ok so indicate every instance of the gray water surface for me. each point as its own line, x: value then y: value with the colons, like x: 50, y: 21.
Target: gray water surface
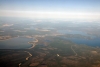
x: 16, y: 43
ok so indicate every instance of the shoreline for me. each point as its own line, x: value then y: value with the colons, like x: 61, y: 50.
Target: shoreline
x: 8, y: 39
x: 34, y: 43
x: 30, y: 55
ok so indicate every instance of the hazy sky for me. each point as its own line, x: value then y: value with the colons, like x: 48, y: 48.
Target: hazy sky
x: 56, y: 9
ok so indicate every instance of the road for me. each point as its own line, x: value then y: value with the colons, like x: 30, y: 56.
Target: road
x: 73, y: 50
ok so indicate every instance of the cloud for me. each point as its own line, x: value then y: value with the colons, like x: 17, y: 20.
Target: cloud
x: 51, y: 14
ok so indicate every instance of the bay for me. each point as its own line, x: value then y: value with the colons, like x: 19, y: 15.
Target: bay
x: 16, y: 43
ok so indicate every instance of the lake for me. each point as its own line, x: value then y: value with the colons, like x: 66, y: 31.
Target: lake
x: 90, y: 42
x: 72, y: 32
x: 16, y: 43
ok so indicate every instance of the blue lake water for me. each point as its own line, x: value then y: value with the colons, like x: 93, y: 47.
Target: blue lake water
x: 91, y: 42
x: 16, y: 43
x: 72, y: 32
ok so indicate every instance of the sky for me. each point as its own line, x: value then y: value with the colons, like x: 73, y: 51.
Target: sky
x: 55, y: 9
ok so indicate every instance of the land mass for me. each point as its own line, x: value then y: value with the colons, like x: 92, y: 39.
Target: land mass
x: 51, y: 52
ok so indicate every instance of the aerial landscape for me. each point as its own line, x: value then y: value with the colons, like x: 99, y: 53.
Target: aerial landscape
x: 49, y: 33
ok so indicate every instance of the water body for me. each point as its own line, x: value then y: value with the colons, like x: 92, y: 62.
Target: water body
x: 16, y: 43
x: 90, y: 42
x: 72, y: 32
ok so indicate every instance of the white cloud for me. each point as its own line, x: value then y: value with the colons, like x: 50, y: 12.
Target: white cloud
x: 54, y: 15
